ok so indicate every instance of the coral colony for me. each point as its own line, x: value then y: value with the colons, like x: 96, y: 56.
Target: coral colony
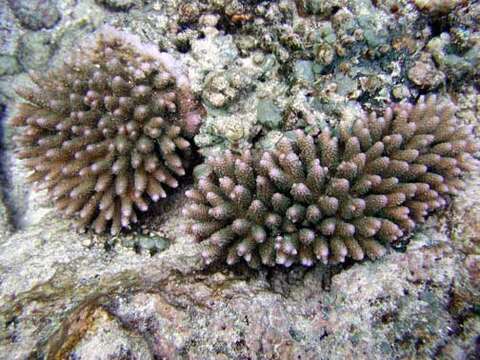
x: 106, y: 132
x: 327, y: 198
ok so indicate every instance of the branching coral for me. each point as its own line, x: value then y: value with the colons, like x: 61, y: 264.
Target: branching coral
x: 331, y: 197
x: 108, y: 130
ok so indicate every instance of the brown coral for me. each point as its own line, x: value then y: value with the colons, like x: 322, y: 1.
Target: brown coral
x: 105, y: 132
x: 332, y: 197
x: 439, y: 7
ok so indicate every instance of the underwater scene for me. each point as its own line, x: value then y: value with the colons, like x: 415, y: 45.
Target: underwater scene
x: 239, y: 179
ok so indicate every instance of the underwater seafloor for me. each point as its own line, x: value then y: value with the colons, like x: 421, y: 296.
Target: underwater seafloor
x: 259, y: 68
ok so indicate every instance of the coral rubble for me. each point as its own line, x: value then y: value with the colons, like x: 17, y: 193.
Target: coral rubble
x: 108, y: 130
x: 331, y: 197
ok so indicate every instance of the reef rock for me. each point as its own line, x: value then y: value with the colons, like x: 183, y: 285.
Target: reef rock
x: 280, y: 65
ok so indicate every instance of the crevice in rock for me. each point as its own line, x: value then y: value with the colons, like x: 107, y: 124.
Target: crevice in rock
x: 6, y: 185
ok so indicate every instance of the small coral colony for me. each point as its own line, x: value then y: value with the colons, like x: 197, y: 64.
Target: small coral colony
x: 109, y: 131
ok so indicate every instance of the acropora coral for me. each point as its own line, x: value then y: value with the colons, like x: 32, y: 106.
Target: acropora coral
x: 105, y: 132
x: 328, y: 197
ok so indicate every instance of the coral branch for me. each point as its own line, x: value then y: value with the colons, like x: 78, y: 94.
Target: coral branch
x: 108, y: 131
x: 328, y: 198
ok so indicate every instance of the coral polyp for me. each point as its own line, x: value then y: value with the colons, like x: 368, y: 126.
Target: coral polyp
x: 108, y: 131
x: 327, y: 198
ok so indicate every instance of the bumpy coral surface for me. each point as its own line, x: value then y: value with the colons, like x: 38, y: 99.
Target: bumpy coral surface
x: 439, y: 7
x: 331, y: 197
x: 107, y: 131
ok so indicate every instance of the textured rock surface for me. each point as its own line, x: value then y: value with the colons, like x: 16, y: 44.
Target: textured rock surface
x: 5, y: 226
x: 35, y: 14
x: 118, y: 4
x: 64, y: 299
x: 271, y: 66
x: 34, y: 50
